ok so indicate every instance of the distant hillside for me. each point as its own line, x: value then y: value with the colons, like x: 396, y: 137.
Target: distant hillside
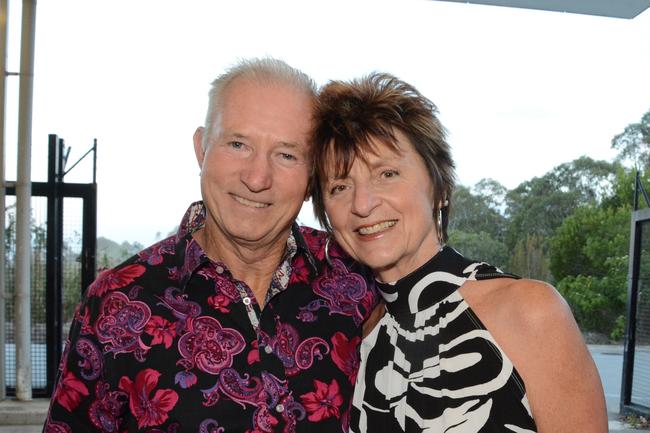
x: 110, y: 253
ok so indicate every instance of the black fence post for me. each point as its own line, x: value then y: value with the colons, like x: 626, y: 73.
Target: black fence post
x: 54, y: 272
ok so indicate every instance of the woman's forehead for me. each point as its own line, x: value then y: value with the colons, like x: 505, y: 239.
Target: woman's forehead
x: 340, y: 158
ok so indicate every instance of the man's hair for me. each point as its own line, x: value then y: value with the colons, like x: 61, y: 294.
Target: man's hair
x: 265, y: 70
x: 349, y: 115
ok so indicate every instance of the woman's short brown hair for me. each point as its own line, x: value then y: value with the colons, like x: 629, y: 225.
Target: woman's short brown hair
x: 349, y: 115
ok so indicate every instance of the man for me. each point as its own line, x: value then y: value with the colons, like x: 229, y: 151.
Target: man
x: 242, y: 321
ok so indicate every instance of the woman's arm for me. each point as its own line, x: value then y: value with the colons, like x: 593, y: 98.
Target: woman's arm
x: 534, y: 326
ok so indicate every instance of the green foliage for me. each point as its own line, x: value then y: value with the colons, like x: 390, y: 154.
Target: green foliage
x: 479, y: 246
x: 597, y: 303
x: 540, y: 205
x: 589, y: 241
x: 589, y: 257
x: 478, y: 212
x: 633, y: 144
x: 529, y: 258
x: 623, y: 188
x: 618, y: 331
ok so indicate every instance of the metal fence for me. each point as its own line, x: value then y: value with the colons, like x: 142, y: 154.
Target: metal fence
x: 640, y: 390
x: 64, y: 231
x: 635, y: 390
x: 38, y: 322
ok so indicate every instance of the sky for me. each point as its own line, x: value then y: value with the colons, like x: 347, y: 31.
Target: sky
x: 519, y: 91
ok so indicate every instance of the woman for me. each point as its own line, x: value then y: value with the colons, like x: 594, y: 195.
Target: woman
x: 462, y: 347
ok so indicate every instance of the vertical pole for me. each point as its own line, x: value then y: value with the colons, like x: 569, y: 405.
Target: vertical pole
x: 4, y: 12
x: 53, y: 284
x: 89, y: 232
x: 89, y: 237
x: 23, y: 206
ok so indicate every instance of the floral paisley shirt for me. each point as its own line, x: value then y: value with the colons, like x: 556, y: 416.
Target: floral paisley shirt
x: 169, y: 341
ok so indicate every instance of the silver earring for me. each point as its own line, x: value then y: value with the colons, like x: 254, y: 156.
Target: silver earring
x: 440, y: 239
x: 327, y: 250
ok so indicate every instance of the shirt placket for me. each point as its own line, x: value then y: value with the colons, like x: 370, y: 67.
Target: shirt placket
x: 247, y: 300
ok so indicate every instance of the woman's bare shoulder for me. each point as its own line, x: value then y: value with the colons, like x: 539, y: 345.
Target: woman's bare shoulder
x: 533, y: 325
x: 526, y: 303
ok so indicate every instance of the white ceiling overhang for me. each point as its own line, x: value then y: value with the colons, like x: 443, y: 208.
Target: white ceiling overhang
x: 606, y: 8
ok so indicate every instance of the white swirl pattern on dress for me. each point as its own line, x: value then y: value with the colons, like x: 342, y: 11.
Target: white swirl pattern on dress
x: 400, y: 381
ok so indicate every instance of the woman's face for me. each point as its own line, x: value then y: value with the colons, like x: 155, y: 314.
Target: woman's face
x: 382, y: 212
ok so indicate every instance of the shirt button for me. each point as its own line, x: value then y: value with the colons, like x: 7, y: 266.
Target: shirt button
x: 280, y: 408
x: 247, y: 300
x: 268, y: 349
x: 219, y: 269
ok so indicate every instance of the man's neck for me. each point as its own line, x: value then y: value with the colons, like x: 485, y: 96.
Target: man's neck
x: 254, y: 264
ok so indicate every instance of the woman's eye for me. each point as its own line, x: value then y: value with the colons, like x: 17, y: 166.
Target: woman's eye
x: 390, y: 173
x: 336, y: 189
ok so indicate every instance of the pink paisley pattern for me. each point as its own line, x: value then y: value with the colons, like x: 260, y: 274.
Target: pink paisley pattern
x: 120, y: 324
x: 226, y: 293
x: 56, y: 427
x: 265, y: 395
x: 208, y: 346
x: 107, y: 411
x: 296, y: 354
x: 168, y: 342
x: 154, y: 254
x: 180, y: 307
x: 210, y: 426
x: 91, y: 358
x: 341, y: 292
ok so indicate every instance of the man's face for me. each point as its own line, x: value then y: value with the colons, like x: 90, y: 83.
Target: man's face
x: 255, y: 166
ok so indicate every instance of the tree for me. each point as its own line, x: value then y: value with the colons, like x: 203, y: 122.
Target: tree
x: 529, y: 258
x: 633, y: 144
x: 588, y: 240
x: 623, y: 188
x: 479, y: 246
x: 479, y: 211
x: 540, y: 205
x: 589, y: 258
x: 492, y: 192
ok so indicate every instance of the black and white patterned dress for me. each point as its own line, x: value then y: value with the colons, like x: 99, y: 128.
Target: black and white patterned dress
x: 431, y: 366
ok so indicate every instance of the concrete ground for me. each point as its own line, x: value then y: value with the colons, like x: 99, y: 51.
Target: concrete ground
x: 20, y: 417
x: 609, y: 361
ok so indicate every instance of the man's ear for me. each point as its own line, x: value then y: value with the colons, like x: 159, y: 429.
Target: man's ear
x: 198, y: 145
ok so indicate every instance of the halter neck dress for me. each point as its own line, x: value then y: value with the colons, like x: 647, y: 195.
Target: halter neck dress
x: 430, y: 365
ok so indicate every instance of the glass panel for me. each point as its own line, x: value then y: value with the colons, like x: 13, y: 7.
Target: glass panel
x: 38, y: 303
x: 72, y: 232
x: 641, y: 374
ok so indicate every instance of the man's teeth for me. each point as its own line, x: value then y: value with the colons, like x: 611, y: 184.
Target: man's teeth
x: 377, y: 227
x: 250, y: 203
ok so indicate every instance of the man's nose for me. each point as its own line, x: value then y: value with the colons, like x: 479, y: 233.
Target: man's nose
x: 257, y: 174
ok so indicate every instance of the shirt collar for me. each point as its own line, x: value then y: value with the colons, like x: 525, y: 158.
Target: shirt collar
x: 190, y: 255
